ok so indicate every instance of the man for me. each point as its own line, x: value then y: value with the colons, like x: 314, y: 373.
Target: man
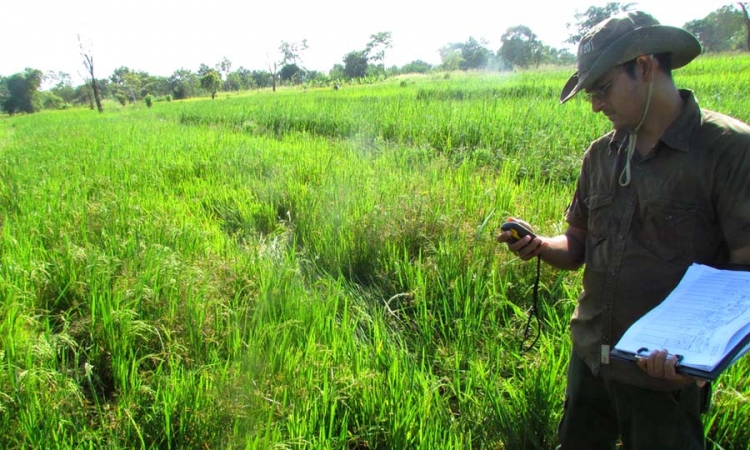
x: 669, y: 186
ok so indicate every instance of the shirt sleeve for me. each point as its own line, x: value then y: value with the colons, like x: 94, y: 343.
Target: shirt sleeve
x: 577, y: 214
x: 732, y: 192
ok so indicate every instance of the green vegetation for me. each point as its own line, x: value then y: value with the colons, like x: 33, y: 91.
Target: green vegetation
x: 305, y: 269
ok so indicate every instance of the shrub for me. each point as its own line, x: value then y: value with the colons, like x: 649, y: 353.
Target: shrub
x: 149, y: 100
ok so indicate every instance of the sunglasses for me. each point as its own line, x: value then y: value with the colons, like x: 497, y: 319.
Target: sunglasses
x: 598, y: 93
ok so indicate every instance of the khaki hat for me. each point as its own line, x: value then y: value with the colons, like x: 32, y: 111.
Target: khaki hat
x: 623, y: 38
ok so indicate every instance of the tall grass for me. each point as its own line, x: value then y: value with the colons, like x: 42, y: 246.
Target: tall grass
x: 304, y: 269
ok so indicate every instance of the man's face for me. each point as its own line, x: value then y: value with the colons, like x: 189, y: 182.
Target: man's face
x: 618, y: 96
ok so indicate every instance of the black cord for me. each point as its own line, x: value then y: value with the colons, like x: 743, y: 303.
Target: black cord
x: 533, y: 312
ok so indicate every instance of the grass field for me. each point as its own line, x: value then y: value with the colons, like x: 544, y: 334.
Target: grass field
x: 302, y: 269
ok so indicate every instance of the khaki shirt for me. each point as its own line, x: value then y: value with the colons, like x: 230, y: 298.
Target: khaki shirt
x: 688, y: 201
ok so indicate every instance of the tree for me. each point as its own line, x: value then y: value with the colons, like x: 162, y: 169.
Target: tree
x: 63, y: 87
x: 211, y: 82
x: 337, y: 72
x: 520, y: 47
x: 245, y: 77
x: 262, y: 79
x: 182, y: 84
x: 19, y: 93
x: 291, y: 53
x: 129, y: 82
x: 233, y: 82
x: 417, y: 66
x: 468, y: 55
x: 87, y: 54
x: 746, y: 19
x: 592, y: 16
x: 355, y: 64
x: 289, y: 72
x: 224, y: 66
x: 721, y: 30
x: 203, y: 69
x: 450, y: 57
x: 375, y: 49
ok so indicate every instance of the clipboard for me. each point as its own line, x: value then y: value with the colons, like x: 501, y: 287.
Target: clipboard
x: 728, y: 356
x: 709, y: 375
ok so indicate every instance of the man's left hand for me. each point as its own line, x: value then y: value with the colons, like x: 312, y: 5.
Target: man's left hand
x: 660, y: 364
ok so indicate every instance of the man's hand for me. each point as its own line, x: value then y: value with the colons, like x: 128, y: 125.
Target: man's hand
x: 660, y: 364
x: 526, y: 247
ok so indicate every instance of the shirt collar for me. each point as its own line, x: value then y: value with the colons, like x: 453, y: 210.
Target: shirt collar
x: 677, y: 135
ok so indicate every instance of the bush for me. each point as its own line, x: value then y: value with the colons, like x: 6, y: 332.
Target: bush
x: 52, y: 101
x: 149, y: 100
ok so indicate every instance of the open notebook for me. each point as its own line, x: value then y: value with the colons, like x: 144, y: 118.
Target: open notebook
x: 705, y: 320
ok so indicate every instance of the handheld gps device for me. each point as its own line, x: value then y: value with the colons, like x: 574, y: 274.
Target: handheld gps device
x: 517, y: 230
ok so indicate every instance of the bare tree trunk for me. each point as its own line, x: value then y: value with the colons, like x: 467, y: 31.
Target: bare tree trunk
x: 96, y: 92
x: 747, y: 23
x: 273, y: 77
x: 88, y: 62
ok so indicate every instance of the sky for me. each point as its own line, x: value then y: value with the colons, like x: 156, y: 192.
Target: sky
x: 161, y: 36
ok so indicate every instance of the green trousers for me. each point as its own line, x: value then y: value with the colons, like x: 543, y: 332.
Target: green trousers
x: 600, y: 413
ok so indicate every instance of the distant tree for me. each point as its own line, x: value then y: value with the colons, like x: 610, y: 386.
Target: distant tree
x: 289, y: 72
x: 49, y: 100
x: 4, y: 94
x: 233, y: 82
x: 211, y: 82
x: 87, y: 53
x: 224, y: 66
x: 337, y: 72
x: 63, y: 87
x: 355, y: 64
x: 245, y: 77
x: 262, y: 79
x: 746, y: 18
x: 520, y: 47
x: 202, y: 70
x: 290, y: 53
x: 417, y: 66
x: 130, y: 83
x: 20, y: 92
x: 469, y: 55
x: 155, y: 85
x: 314, y: 75
x: 587, y: 20
x: 450, y: 57
x: 182, y: 84
x: 559, y: 57
x: 721, y: 30
x: 376, y: 47
x: 464, y: 55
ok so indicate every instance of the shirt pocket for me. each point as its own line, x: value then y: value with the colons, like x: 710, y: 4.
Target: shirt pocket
x: 669, y: 230
x: 600, y: 214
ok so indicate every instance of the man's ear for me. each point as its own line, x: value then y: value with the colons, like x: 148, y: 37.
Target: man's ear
x: 645, y: 66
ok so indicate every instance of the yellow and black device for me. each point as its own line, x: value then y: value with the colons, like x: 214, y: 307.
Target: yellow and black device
x: 517, y: 230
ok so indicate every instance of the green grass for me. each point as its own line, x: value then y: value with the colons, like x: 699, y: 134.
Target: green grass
x: 305, y: 269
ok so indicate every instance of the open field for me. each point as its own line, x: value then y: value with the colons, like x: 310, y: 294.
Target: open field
x: 303, y: 269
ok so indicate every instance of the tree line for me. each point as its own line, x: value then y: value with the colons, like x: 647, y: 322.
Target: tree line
x: 726, y: 29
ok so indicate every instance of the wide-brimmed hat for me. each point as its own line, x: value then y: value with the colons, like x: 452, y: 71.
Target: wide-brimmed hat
x: 622, y: 38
